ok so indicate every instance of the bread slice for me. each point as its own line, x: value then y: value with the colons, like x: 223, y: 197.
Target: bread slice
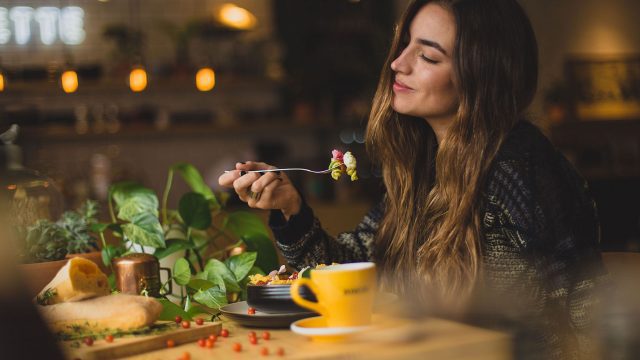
x: 77, y: 280
x: 119, y: 311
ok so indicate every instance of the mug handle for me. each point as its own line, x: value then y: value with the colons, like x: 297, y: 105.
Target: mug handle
x: 169, y: 281
x: 295, y: 295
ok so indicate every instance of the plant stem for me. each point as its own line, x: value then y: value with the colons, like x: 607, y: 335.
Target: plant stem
x: 104, y: 246
x: 165, y: 196
x: 111, y: 212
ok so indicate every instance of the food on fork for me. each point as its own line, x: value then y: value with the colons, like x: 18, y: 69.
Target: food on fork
x: 343, y: 163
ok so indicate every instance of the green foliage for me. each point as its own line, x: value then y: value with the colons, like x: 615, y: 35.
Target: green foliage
x: 204, y: 286
x: 72, y: 233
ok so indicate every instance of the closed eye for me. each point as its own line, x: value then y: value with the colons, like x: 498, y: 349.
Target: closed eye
x: 429, y: 60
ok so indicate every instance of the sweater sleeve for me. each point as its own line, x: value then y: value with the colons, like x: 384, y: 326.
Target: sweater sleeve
x: 543, y: 207
x: 303, y: 242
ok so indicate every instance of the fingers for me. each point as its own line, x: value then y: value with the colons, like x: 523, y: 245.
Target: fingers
x: 266, y: 197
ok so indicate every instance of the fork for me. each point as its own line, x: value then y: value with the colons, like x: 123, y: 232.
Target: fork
x: 291, y: 169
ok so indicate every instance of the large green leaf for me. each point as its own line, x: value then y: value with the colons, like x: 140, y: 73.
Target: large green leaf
x: 143, y: 203
x: 216, y: 268
x: 145, y: 229
x: 170, y: 310
x: 194, y: 210
x: 241, y: 264
x: 200, y: 284
x: 213, y: 297
x: 173, y: 246
x: 267, y: 254
x: 123, y: 191
x: 181, y: 272
x: 192, y: 177
x: 245, y: 224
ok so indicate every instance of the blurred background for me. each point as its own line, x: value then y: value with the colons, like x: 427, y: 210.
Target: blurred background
x: 111, y: 90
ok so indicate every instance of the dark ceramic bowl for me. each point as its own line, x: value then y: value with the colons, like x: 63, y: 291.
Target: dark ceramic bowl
x: 276, y: 299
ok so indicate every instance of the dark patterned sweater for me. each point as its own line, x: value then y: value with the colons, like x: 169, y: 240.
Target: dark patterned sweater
x: 541, y: 261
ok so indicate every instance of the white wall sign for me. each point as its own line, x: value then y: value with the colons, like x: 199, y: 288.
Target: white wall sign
x: 66, y: 23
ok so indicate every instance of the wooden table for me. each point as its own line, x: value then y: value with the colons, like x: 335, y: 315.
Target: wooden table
x: 426, y: 339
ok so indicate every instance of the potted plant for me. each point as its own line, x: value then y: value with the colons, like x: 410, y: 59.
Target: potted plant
x: 47, y: 244
x: 201, y: 230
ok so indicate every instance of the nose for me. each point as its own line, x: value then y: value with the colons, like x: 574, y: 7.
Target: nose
x: 400, y: 64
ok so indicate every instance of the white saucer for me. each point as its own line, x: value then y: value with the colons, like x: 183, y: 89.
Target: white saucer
x: 316, y: 328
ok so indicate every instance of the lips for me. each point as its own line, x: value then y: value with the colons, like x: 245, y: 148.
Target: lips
x: 399, y: 86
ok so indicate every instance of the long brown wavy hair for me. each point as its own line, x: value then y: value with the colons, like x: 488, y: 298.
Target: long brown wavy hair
x: 431, y: 231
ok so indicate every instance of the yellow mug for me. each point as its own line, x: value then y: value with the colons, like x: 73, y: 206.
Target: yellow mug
x: 345, y: 293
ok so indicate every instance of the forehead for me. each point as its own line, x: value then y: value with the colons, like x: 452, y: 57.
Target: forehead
x: 434, y: 22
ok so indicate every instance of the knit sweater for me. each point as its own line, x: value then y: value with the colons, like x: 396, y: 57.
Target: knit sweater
x: 541, y: 262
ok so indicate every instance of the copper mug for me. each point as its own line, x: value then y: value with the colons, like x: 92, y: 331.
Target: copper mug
x: 139, y: 273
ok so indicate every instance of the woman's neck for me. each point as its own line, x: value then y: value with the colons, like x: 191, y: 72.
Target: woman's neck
x: 440, y: 127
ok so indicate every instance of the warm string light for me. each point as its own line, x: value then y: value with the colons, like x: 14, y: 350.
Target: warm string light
x: 1, y: 81
x: 205, y: 79
x: 236, y: 17
x: 138, y: 79
x: 69, y: 81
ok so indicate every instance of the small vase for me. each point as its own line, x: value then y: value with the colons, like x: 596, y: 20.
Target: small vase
x: 38, y: 275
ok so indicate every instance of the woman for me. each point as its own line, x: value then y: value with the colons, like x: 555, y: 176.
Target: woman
x: 479, y: 206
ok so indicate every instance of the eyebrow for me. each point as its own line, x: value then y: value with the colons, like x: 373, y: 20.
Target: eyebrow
x: 432, y: 44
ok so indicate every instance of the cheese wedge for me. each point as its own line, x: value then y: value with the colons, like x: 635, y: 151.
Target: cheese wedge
x: 118, y: 311
x: 79, y: 279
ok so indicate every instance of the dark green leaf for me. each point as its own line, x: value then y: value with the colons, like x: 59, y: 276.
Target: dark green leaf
x: 241, y: 264
x: 192, y: 177
x: 200, y: 284
x: 216, y: 268
x: 267, y: 254
x: 171, y: 310
x: 173, y: 246
x: 245, y: 224
x: 98, y: 227
x: 213, y: 297
x: 108, y: 253
x: 145, y: 229
x: 194, y: 210
x: 181, y: 272
x: 197, y: 310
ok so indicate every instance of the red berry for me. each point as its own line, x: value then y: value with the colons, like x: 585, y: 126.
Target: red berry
x: 266, y: 335
x: 252, y: 333
x: 202, y: 342
x: 253, y: 340
x: 213, y: 337
x: 109, y: 338
x: 210, y: 343
x: 237, y: 347
x: 178, y: 319
x: 224, y: 333
x: 185, y: 356
x: 171, y: 343
x: 251, y: 311
x: 186, y: 324
x: 199, y: 321
x: 280, y: 351
x: 88, y: 340
x: 264, y: 351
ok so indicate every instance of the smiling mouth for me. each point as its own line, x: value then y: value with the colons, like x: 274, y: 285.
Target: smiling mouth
x: 398, y: 86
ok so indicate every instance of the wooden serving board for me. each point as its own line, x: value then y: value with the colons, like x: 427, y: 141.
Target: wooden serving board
x: 138, y: 344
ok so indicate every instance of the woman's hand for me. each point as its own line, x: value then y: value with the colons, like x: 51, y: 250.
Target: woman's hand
x: 271, y: 190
